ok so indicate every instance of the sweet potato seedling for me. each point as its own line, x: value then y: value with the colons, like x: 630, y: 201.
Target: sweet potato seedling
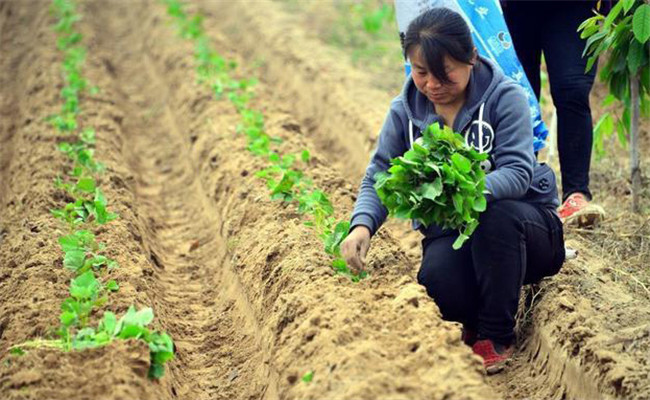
x: 437, y: 182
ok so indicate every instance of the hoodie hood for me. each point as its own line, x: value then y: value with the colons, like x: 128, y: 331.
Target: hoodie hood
x: 483, y: 79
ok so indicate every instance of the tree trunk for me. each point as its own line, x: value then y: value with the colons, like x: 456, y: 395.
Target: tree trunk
x: 635, y: 167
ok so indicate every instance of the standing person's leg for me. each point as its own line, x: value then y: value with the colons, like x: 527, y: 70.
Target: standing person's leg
x: 522, y: 18
x: 515, y: 243
x: 570, y: 87
x: 449, y: 278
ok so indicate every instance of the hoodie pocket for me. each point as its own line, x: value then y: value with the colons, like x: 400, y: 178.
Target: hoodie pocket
x: 543, y: 189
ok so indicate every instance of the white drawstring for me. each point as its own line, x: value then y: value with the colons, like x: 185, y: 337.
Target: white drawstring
x: 480, y: 128
x: 411, y: 133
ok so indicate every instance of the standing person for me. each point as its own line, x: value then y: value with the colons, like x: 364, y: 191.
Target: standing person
x: 519, y: 238
x: 551, y: 27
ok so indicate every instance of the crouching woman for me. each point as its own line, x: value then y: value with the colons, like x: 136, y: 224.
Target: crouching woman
x: 519, y: 239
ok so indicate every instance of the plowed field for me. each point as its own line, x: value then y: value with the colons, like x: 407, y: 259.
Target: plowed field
x: 236, y: 279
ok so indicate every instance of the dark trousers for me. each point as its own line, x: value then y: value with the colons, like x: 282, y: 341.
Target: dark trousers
x: 551, y: 27
x: 479, y: 285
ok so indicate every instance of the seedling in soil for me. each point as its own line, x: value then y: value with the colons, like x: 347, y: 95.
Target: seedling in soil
x: 85, y: 291
x: 83, y: 158
x: 438, y: 182
x: 84, y: 210
x: 308, y: 377
x: 132, y: 325
x: 81, y: 252
x: 89, y: 205
x: 285, y: 182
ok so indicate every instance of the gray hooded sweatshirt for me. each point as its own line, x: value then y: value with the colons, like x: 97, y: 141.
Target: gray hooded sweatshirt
x: 495, y: 120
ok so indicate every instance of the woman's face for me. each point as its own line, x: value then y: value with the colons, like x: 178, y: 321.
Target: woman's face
x: 437, y: 92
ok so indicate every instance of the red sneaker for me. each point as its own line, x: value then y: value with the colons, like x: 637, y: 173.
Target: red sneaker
x: 495, y: 357
x: 578, y: 210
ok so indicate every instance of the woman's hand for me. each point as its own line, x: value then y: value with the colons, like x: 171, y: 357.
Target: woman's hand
x: 355, y: 247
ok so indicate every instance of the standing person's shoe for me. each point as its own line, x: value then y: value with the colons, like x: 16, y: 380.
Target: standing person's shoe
x: 576, y: 209
x: 495, y: 356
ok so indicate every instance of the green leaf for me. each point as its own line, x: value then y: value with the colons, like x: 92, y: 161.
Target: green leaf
x: 645, y: 79
x: 17, y: 351
x: 635, y: 56
x: 308, y: 377
x: 593, y: 39
x: 334, y: 239
x: 613, y: 13
x: 274, y: 158
x: 156, y: 371
x: 480, y: 204
x: 432, y: 190
x: 641, y: 23
x: 461, y: 163
x: 132, y: 331
x: 112, y: 286
x: 627, y: 4
x: 339, y: 265
x: 109, y: 323
x: 74, y: 259
x: 100, y: 198
x: 86, y: 185
x: 458, y: 243
x: 605, y: 125
x: 88, y: 136
x: 68, y: 318
x: 608, y: 100
x: 139, y: 318
x: 305, y: 156
x: 458, y: 202
x: 69, y: 243
x: 84, y: 287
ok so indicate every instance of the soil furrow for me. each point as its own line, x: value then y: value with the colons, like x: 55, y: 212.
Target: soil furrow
x: 33, y: 281
x: 217, y: 338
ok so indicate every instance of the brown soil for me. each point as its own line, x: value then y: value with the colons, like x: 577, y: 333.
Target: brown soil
x: 238, y: 281
x: 249, y: 315
x: 571, y: 343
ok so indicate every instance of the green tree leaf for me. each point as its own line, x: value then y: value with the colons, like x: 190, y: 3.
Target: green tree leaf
x: 641, y: 23
x: 635, y: 56
x: 611, y: 16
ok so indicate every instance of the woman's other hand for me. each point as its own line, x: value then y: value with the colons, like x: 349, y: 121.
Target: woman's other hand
x: 355, y: 247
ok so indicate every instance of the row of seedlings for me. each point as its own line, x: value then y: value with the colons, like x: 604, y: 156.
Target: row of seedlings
x: 84, y: 256
x: 286, y: 181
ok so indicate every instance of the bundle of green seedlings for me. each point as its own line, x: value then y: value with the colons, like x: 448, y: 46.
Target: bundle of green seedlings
x: 285, y: 181
x: 438, y: 182
x: 83, y: 255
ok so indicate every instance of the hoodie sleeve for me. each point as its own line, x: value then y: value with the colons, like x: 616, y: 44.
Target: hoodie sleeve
x: 368, y: 209
x: 513, y: 147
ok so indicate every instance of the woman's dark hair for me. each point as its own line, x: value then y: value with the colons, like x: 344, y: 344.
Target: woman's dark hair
x: 440, y: 32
